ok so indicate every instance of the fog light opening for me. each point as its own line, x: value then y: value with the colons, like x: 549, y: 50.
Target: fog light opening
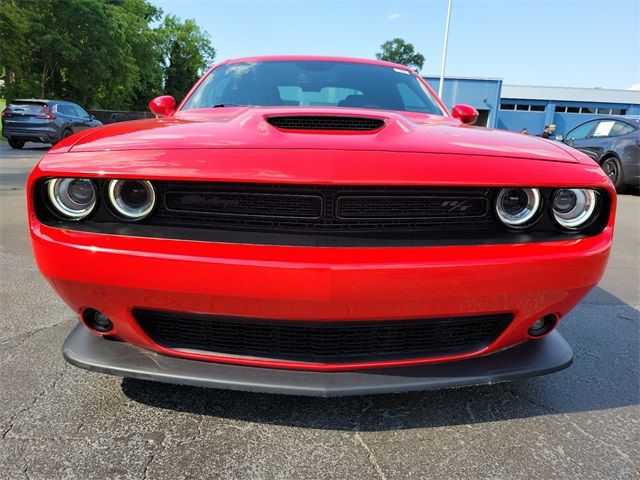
x: 97, y: 321
x: 543, y: 326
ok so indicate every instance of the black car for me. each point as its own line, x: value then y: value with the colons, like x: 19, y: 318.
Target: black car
x: 45, y: 121
x: 613, y: 142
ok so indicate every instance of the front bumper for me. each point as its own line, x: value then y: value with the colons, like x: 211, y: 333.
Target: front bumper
x: 547, y: 355
x: 115, y: 274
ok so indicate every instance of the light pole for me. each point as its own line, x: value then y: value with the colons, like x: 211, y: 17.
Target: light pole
x: 444, y: 51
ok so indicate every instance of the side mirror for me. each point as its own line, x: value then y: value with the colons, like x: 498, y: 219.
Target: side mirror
x: 164, y: 105
x: 560, y: 138
x: 465, y: 113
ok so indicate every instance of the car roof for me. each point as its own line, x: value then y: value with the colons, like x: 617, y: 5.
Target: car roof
x: 316, y: 58
x: 629, y: 118
x: 39, y: 100
x: 30, y: 100
x: 632, y: 119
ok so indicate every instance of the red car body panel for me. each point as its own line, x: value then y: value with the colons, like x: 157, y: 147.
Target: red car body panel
x: 319, y: 283
x: 115, y: 273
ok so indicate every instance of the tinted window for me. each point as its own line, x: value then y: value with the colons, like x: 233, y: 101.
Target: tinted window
x: 507, y: 106
x: 64, y: 109
x: 573, y: 109
x: 581, y: 131
x: 621, y: 128
x: 26, y: 108
x: 81, y: 111
x: 603, y: 129
x: 537, y: 108
x: 313, y: 83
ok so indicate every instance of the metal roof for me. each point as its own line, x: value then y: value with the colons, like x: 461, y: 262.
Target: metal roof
x: 571, y: 94
x: 460, y: 77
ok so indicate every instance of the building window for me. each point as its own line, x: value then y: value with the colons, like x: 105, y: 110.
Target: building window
x: 588, y: 110
x: 537, y: 108
x: 524, y: 108
x: 507, y: 106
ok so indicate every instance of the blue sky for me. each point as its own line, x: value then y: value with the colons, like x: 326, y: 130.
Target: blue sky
x: 587, y: 43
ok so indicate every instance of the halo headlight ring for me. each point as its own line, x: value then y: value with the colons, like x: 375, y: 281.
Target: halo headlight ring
x: 518, y: 207
x: 71, y: 198
x: 131, y: 199
x: 574, y: 208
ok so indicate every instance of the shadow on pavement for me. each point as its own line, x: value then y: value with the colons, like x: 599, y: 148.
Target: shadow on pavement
x: 604, y: 376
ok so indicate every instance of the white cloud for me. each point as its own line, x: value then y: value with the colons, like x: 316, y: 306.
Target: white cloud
x: 635, y: 86
x: 394, y: 16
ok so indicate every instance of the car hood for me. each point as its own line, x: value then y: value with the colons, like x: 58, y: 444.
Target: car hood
x: 248, y: 128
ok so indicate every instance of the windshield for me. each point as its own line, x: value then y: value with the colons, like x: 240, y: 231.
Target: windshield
x: 313, y: 83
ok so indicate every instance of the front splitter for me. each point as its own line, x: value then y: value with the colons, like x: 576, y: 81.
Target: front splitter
x: 86, y: 350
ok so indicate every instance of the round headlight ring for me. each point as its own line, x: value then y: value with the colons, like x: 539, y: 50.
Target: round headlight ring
x: 72, y: 198
x: 131, y: 199
x: 517, y: 207
x: 573, y: 208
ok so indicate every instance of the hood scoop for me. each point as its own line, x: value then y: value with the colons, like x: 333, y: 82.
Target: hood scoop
x: 326, y: 123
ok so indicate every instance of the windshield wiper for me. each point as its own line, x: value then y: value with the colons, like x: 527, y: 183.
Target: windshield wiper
x: 222, y: 105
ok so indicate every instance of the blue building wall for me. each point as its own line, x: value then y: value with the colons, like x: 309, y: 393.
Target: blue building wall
x: 563, y: 114
x: 482, y: 94
x: 514, y: 114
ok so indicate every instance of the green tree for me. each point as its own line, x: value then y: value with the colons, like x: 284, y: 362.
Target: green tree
x: 402, y: 52
x: 145, y: 43
x: 14, y: 25
x: 114, y: 54
x: 188, y: 52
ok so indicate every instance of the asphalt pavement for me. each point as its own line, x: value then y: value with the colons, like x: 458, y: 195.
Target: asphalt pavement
x: 57, y: 421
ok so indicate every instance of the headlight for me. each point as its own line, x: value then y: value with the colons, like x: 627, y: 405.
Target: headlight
x: 132, y: 199
x: 517, y: 206
x: 574, y: 207
x: 73, y: 198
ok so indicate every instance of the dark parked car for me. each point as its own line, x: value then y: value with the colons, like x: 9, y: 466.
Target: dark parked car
x: 45, y: 121
x: 613, y: 142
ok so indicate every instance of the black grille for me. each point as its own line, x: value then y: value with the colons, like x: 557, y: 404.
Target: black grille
x: 409, y: 206
x: 245, y: 204
x: 323, y: 342
x: 325, y: 122
x: 321, y: 209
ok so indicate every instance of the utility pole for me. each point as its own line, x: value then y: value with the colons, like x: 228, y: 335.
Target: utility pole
x: 444, y: 51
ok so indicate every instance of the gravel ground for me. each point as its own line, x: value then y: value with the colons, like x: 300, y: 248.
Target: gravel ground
x: 57, y: 421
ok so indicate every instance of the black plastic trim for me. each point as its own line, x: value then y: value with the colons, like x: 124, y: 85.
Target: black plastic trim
x: 435, y: 231
x: 536, y: 357
x: 321, y: 341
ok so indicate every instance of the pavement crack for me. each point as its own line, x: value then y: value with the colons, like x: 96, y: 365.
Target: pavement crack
x: 23, y: 337
x: 33, y: 403
x: 152, y: 457
x: 371, y: 457
x: 627, y: 318
x: 615, y: 450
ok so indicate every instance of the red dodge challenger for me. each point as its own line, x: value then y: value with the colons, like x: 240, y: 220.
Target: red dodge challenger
x: 318, y: 226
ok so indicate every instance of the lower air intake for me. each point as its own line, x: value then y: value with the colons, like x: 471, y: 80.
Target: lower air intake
x: 321, y: 342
